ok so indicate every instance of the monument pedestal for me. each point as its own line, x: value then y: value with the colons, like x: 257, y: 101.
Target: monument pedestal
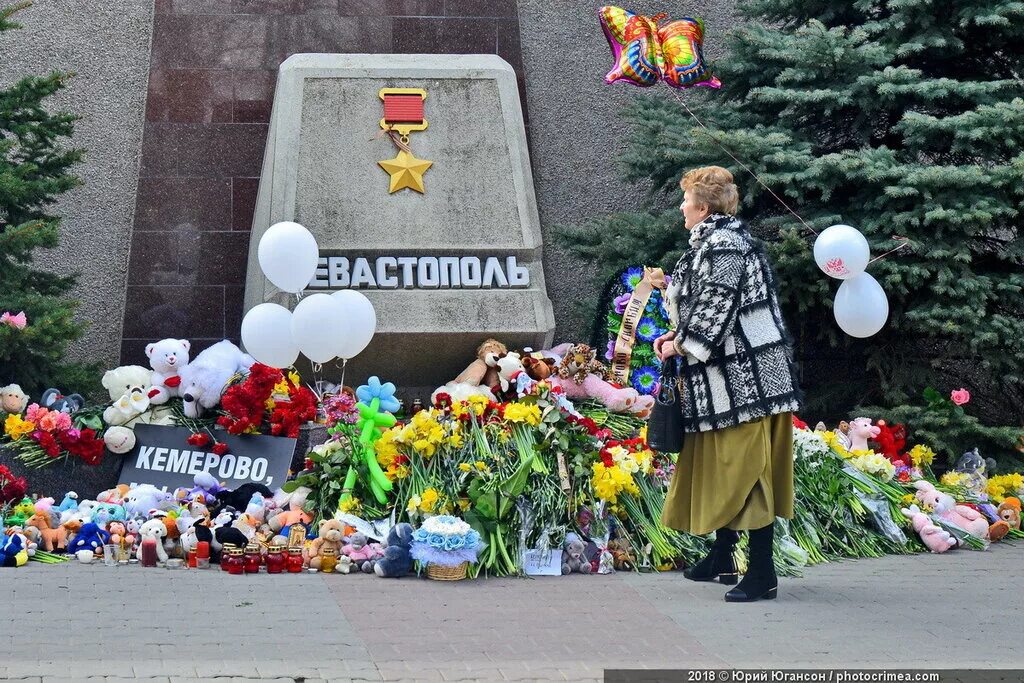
x: 444, y: 269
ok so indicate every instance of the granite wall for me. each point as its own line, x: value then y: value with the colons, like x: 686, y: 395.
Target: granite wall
x: 176, y: 98
x: 107, y: 46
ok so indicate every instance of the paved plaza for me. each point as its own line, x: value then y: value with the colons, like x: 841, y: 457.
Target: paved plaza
x: 74, y: 622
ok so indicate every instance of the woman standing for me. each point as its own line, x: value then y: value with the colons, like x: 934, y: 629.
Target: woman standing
x: 738, y: 389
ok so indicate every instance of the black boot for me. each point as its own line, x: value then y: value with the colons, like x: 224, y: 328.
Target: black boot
x: 760, y: 582
x: 719, y: 563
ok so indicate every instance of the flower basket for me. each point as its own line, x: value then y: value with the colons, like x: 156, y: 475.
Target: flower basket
x: 446, y: 546
x: 439, y: 572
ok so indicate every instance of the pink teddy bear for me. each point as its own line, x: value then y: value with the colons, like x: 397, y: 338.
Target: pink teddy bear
x: 945, y: 508
x: 937, y: 539
x: 861, y: 429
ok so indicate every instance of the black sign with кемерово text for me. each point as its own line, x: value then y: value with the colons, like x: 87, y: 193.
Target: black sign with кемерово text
x: 163, y: 457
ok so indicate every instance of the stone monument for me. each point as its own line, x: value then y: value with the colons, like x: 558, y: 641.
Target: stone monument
x: 413, y: 174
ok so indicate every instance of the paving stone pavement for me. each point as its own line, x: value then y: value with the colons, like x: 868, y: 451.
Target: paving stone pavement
x: 92, y: 623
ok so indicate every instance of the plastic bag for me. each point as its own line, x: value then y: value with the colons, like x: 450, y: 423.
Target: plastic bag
x: 882, y: 519
x: 787, y: 546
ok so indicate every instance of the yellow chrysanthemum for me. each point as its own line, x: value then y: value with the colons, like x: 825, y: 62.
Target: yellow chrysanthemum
x: 465, y: 467
x: 429, y: 500
x: 908, y: 499
x: 16, y: 427
x: 523, y: 413
x: 921, y: 455
x: 455, y: 438
x: 1003, y: 485
x: 351, y: 505
x: 832, y: 439
x: 954, y: 479
x: 481, y: 465
x: 609, y: 482
x: 396, y: 472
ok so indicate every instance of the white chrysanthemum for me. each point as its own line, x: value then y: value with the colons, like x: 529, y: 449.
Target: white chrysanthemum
x: 808, y: 444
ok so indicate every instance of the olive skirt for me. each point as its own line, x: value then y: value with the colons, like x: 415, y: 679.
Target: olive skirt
x: 739, y: 477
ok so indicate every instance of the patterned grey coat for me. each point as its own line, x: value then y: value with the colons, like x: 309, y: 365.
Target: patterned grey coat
x: 736, y: 353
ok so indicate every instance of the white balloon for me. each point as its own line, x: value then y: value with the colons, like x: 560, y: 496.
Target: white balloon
x: 317, y: 323
x: 841, y: 252
x: 361, y: 321
x: 267, y: 335
x: 861, y: 306
x: 288, y: 255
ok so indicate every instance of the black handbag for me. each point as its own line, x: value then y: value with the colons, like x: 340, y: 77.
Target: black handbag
x: 665, y: 426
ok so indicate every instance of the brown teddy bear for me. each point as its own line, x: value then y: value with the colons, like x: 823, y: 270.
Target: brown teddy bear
x: 478, y: 372
x: 330, y: 535
x: 1009, y: 512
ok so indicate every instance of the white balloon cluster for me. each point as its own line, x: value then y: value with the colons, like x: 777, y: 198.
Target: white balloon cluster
x: 861, y: 306
x: 322, y: 326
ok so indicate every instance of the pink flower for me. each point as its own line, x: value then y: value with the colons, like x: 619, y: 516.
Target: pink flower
x: 48, y: 422
x: 620, y: 303
x: 16, y: 320
x: 35, y: 411
x: 63, y: 421
x: 73, y: 434
x: 960, y: 396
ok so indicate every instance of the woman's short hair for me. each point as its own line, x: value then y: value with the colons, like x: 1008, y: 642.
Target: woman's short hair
x: 713, y: 186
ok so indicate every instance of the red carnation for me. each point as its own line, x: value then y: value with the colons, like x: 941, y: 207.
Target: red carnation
x: 220, y: 448
x: 47, y: 443
x: 199, y: 439
x: 443, y: 400
x: 11, y: 488
x: 798, y: 423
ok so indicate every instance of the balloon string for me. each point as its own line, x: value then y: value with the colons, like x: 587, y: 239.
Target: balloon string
x: 344, y: 364
x: 682, y: 101
x: 906, y: 243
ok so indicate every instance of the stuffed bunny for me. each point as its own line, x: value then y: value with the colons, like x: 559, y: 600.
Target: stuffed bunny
x: 970, y: 520
x: 937, y: 539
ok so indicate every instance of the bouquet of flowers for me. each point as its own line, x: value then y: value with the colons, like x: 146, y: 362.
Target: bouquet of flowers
x: 12, y: 488
x: 267, y: 401
x: 46, y: 436
x: 446, y: 541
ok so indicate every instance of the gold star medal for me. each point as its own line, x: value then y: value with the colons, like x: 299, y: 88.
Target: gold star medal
x: 406, y: 171
x: 403, y: 114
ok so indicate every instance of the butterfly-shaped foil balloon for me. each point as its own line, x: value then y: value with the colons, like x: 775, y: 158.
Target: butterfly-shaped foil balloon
x: 645, y: 52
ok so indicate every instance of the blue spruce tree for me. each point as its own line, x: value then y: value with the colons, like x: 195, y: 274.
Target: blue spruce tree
x: 899, y: 117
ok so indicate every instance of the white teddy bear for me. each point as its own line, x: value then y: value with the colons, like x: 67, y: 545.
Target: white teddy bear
x: 167, y: 357
x: 130, y: 389
x: 156, y: 530
x: 204, y: 379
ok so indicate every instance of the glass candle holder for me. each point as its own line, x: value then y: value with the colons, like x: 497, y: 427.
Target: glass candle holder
x: 276, y: 560
x: 295, y: 559
x: 253, y: 558
x: 328, y: 560
x: 203, y: 555
x: 234, y: 561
